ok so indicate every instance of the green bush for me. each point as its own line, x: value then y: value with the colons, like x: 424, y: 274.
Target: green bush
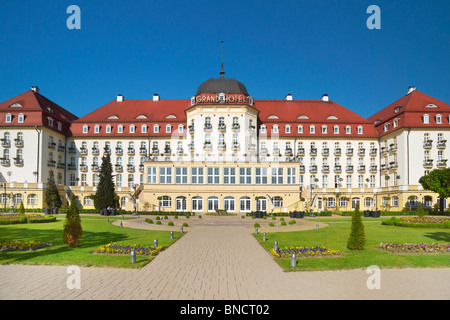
x: 158, y: 222
x: 271, y: 224
x: 283, y: 223
x: 357, y: 237
x: 185, y: 224
x: 149, y: 221
x: 256, y: 225
x: 170, y: 224
x: 291, y: 222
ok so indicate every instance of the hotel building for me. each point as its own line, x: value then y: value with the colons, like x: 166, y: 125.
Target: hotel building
x: 224, y: 149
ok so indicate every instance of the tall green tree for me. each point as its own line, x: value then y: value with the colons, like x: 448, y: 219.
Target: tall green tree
x: 357, y: 238
x: 105, y: 193
x: 438, y: 181
x: 52, y: 197
x: 72, y: 226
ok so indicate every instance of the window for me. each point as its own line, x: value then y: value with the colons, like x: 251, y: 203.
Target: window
x: 165, y: 175
x: 20, y: 118
x: 32, y: 199
x: 94, y: 179
x: 299, y: 129
x: 324, y: 129
x: 8, y: 118
x: 277, y: 175
x: 228, y: 204
x: 426, y: 119
x: 108, y: 128
x: 349, y: 181
x: 263, y: 129
x: 331, y: 202
x: 245, y: 204
x: 360, y: 181
x: 151, y: 175
x: 229, y: 175
x: 395, y: 201
x: 291, y: 176
x: 83, y: 179
x: 261, y: 175
x: 156, y: 128
x: 197, y: 204
x: 118, y: 180
x: 348, y: 130
x: 96, y: 128
x: 165, y: 202
x: 360, y: 130
x: 312, y: 129
x: 168, y: 128
x: 277, y: 202
x: 132, y: 128
x: 85, y: 129
x: 336, y: 129
x: 87, y: 201
x: 181, y: 175
x: 438, y: 119
x: 213, y: 175
x: 287, y: 128
x: 180, y: 128
x: 275, y: 128
x: 245, y: 175
x: 325, y: 182
x: 197, y: 175
x: 123, y: 201
x: 213, y: 204
x: 368, y: 202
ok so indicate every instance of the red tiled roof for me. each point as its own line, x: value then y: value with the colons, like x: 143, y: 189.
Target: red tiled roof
x: 409, y: 110
x: 36, y: 109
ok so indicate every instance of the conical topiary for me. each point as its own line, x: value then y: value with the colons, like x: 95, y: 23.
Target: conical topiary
x: 357, y: 238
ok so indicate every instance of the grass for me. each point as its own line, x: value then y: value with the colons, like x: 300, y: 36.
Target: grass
x: 336, y: 236
x: 96, y: 232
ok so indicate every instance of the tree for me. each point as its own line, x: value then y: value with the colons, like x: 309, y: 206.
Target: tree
x: 420, y: 211
x: 357, y: 238
x: 105, y: 194
x: 21, y: 208
x: 72, y: 226
x: 52, y: 197
x: 438, y: 181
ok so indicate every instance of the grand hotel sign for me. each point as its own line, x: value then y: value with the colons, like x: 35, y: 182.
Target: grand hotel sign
x: 223, y: 98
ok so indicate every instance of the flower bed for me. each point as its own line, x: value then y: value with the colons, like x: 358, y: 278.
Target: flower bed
x: 419, y: 222
x: 304, y: 252
x: 23, y: 245
x: 415, y: 248
x: 117, y: 248
x: 24, y: 218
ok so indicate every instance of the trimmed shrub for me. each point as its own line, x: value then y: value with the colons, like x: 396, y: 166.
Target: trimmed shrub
x: 357, y: 237
x: 170, y: 224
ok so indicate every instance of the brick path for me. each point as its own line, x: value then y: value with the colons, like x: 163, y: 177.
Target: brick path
x: 215, y: 263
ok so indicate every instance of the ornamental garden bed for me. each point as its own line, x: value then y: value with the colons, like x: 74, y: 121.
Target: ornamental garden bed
x: 419, y: 222
x: 25, y: 218
x: 301, y: 252
x: 415, y: 248
x: 23, y: 245
x: 125, y: 249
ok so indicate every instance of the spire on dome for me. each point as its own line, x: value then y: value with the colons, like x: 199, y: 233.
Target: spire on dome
x: 222, y: 73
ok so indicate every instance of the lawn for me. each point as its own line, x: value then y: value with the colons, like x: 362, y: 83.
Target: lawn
x: 96, y: 232
x: 336, y: 236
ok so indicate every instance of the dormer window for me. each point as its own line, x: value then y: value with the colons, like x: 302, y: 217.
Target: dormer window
x: 59, y: 126
x: 426, y: 119
x: 336, y: 129
x: 156, y: 128
x: 287, y: 129
x: 8, y: 118
x: 386, y: 127
x: 20, y: 118
x: 275, y: 128
x: 312, y: 129
x: 180, y: 128
x: 120, y: 128
x: 168, y: 128
x: 222, y: 97
x: 50, y: 121
x: 144, y: 128
x: 397, y: 109
x: 96, y: 128
x: 108, y: 128
x: 299, y: 129
x: 132, y: 128
x: 360, y: 130
x: 324, y: 129
x: 263, y: 128
x: 85, y: 128
x: 348, y: 130
x: 438, y: 119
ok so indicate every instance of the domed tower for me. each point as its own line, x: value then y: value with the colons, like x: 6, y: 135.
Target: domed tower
x: 222, y: 121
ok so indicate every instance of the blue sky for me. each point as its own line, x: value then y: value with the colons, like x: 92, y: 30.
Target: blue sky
x: 303, y: 47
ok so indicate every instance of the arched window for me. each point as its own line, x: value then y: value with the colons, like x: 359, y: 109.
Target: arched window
x: 213, y: 204
x: 331, y: 202
x: 165, y: 201
x: 277, y: 202
x: 197, y: 204
x: 123, y: 201
x: 32, y: 199
x: 228, y: 204
x: 245, y: 204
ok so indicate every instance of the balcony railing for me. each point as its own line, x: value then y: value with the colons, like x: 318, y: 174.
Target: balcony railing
x: 441, y: 144
x: 313, y: 168
x: 337, y: 151
x: 428, y: 163
x: 427, y: 144
x: 337, y: 168
x: 349, y: 152
x: 18, y: 143
x: 119, y: 167
x: 130, y: 151
x: 143, y: 151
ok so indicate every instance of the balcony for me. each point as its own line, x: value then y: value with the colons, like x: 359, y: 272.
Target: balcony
x: 180, y: 151
x: 18, y: 143
x: 107, y: 150
x: 349, y: 152
x: 441, y: 163
x: 302, y: 168
x: 276, y: 152
x: 191, y: 129
x: 235, y: 127
x: 288, y: 152
x: 72, y: 166
x: 5, y: 162
x: 207, y: 145
x: 325, y: 151
x: 95, y: 168
x: 373, y: 168
x: 51, y: 145
x: 313, y: 152
x: 373, y: 152
x: 441, y: 144
x: 384, y: 150
x: 18, y: 162
x: 263, y: 152
x: 167, y: 151
x: 61, y: 148
x: 155, y: 152
x: 383, y: 167
x: 337, y: 168
x: 428, y: 163
x: 427, y: 144
x: 60, y: 165
x: 349, y: 168
x: 119, y: 151
x: 51, y: 163
x: 118, y: 167
x: 301, y: 151
x: 207, y: 127
x: 337, y: 151
x: 236, y: 146
x: 130, y: 167
x: 222, y: 127
x: 326, y: 168
x: 362, y: 168
x: 141, y: 168
x: 83, y: 151
x: 95, y: 151
x: 361, y: 152
x: 313, y: 169
x: 252, y: 147
x: 130, y: 151
x: 143, y: 151
x: 83, y: 168
x: 72, y: 150
x: 393, y: 165
x: 222, y: 146
x: 393, y: 147
x: 191, y: 147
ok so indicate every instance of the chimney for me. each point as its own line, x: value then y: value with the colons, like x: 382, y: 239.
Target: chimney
x: 289, y: 97
x: 325, y: 97
x: 156, y: 97
x: 35, y: 89
x: 411, y: 89
x: 119, y: 98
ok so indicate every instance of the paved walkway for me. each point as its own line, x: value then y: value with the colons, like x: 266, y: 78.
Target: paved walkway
x: 216, y: 262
